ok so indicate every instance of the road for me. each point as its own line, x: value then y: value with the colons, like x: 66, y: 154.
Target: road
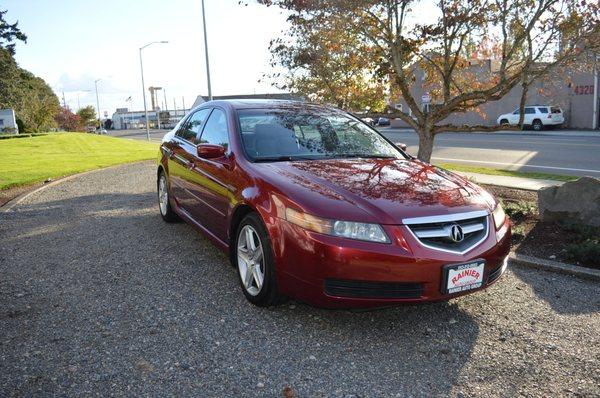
x: 528, y: 151
x: 100, y: 297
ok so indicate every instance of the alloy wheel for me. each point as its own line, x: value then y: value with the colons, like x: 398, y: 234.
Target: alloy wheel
x: 163, y: 195
x: 250, y: 260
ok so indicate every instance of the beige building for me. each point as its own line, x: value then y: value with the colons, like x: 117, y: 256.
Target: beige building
x: 572, y: 89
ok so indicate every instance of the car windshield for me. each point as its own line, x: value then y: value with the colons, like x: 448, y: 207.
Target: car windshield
x: 301, y: 134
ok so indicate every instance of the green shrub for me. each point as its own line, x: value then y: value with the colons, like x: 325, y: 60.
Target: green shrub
x: 587, y: 253
x: 519, y: 210
x: 584, y: 246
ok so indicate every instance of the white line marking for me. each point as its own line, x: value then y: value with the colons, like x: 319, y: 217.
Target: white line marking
x: 517, y: 164
x: 546, y: 142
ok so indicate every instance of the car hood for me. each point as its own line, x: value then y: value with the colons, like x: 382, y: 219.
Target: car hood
x: 374, y: 190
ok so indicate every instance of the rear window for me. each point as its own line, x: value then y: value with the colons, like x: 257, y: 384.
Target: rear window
x: 543, y: 109
x: 555, y: 109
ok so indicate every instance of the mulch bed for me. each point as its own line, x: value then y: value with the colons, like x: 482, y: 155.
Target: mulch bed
x: 533, y: 237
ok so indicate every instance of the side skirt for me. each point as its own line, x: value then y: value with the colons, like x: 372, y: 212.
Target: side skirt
x: 188, y: 218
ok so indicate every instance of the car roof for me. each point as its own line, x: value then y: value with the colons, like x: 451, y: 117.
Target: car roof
x: 265, y: 104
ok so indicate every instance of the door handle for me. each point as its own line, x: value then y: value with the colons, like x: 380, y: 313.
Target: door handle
x: 191, y: 165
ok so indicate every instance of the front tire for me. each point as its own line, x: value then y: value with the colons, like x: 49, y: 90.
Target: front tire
x: 164, y: 204
x: 504, y: 122
x: 254, y: 262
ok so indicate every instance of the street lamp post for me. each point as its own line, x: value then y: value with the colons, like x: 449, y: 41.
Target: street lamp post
x: 144, y: 86
x: 97, y: 100
x: 206, y: 53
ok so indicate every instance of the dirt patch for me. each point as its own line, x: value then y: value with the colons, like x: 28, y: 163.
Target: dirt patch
x: 567, y: 243
x: 6, y: 195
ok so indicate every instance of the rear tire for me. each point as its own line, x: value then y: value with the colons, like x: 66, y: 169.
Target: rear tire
x: 254, y: 262
x: 164, y: 203
x: 537, y: 125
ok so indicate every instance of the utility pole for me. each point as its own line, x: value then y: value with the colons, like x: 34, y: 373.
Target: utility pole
x: 183, y: 104
x: 64, y: 101
x: 166, y: 105
x: 175, y: 107
x: 144, y: 87
x: 595, y: 102
x: 206, y: 53
x: 97, y: 100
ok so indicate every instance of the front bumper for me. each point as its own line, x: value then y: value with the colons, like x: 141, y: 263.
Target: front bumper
x: 333, y: 272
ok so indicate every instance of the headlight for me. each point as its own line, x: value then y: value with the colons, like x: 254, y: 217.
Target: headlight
x: 499, y: 216
x: 345, y: 229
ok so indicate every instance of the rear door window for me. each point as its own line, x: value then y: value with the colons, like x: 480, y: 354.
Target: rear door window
x: 543, y: 109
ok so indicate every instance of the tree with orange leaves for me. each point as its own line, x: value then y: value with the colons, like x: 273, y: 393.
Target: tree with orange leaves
x: 403, y: 36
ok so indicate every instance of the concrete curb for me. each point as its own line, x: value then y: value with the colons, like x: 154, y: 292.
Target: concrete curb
x: 554, y: 266
x: 15, y: 201
x: 523, y: 183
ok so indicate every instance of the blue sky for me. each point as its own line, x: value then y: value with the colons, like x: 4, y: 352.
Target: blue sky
x: 73, y: 42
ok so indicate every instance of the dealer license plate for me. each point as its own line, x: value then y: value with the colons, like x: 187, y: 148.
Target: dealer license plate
x: 461, y: 277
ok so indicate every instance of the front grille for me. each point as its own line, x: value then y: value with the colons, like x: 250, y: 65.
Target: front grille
x: 435, y: 232
x: 363, y: 289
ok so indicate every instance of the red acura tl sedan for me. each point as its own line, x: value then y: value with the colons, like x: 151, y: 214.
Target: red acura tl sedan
x: 312, y: 203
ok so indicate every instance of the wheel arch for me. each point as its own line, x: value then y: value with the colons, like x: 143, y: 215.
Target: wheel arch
x: 237, y: 216
x: 160, y: 169
x: 266, y: 213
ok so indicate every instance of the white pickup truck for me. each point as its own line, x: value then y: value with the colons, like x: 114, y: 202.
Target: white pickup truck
x: 536, y: 116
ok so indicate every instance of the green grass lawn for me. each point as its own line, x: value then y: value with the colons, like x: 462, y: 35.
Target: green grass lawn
x: 30, y: 160
x: 508, y: 173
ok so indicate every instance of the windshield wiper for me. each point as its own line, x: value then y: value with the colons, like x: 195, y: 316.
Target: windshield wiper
x: 366, y: 156
x: 283, y: 158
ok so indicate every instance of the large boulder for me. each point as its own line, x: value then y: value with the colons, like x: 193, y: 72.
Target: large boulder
x: 574, y: 201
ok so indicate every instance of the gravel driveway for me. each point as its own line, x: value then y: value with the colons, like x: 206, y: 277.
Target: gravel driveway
x: 98, y: 296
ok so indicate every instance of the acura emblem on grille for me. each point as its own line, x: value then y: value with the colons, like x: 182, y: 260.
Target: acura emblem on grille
x: 456, y: 233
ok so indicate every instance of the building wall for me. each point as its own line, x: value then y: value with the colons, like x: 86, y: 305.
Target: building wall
x: 571, y: 89
x: 137, y: 119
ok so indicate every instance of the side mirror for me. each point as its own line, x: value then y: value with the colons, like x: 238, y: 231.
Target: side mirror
x: 401, y: 145
x: 210, y: 151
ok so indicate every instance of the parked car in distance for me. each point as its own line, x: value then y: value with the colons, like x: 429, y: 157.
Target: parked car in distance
x: 369, y: 121
x: 401, y: 145
x: 536, y: 116
x: 383, y: 121
x: 311, y: 203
